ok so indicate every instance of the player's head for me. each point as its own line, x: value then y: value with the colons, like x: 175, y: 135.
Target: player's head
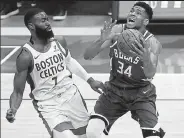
x: 36, y: 20
x: 139, y: 16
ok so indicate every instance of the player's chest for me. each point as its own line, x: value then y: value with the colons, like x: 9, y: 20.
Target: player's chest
x: 52, y: 58
x: 117, y: 56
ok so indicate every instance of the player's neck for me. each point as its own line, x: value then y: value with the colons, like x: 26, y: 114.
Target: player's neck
x: 39, y: 44
x: 142, y: 30
x: 39, y: 41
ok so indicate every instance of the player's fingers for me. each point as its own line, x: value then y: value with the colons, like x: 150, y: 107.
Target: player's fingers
x: 134, y: 53
x: 10, y: 119
x: 137, y: 50
x: 103, y: 31
x: 99, y: 91
x: 139, y: 45
x: 111, y: 20
x: 110, y: 23
x: 9, y: 116
x: 102, y: 86
x: 105, y: 25
x: 114, y: 23
x: 143, y: 42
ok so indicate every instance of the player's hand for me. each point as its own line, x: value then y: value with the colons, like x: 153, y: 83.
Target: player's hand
x: 117, y: 29
x: 97, y: 86
x: 106, y: 32
x: 141, y: 49
x: 10, y: 115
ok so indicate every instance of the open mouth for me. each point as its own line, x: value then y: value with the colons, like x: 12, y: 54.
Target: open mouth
x: 131, y: 20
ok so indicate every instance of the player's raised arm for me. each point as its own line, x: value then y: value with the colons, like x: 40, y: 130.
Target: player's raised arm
x: 22, y: 65
x: 104, y: 41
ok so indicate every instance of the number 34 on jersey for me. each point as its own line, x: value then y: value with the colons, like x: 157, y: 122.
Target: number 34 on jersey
x: 122, y: 69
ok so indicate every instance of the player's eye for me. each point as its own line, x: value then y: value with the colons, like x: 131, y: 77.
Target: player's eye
x: 43, y: 19
x: 138, y: 12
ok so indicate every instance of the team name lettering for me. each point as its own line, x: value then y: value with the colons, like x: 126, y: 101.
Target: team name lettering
x: 120, y: 55
x: 51, y: 66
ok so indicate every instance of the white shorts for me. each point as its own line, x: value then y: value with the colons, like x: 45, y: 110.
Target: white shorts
x: 65, y: 107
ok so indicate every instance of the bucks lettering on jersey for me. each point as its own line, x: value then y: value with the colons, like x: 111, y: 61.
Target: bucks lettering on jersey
x: 126, y: 67
x: 49, y: 71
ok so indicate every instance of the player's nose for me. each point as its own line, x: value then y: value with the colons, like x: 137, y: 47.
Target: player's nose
x: 133, y: 13
x: 47, y: 23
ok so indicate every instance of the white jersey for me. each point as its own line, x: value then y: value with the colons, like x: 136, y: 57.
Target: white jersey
x: 49, y: 74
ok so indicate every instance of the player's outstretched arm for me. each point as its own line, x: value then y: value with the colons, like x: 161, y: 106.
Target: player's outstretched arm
x: 104, y: 41
x: 77, y: 69
x: 22, y: 64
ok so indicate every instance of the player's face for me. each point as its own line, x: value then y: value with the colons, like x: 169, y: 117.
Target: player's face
x: 136, y: 17
x: 42, y: 26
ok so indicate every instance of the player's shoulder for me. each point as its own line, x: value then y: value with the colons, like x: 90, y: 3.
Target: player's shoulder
x: 62, y: 41
x: 147, y: 35
x: 154, y: 40
x: 62, y: 45
x: 155, y: 44
x: 24, y: 60
x: 24, y: 55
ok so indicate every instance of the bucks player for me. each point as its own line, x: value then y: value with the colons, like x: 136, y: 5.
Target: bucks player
x: 43, y: 63
x: 129, y: 87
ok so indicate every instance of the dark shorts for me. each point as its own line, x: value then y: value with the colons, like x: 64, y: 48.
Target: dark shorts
x: 140, y: 102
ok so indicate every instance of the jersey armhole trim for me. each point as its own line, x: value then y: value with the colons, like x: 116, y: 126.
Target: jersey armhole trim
x: 59, y: 46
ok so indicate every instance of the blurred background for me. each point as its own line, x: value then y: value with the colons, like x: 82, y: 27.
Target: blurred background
x: 80, y: 22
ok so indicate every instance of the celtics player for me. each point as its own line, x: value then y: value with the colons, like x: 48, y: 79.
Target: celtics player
x: 46, y: 64
x: 129, y: 87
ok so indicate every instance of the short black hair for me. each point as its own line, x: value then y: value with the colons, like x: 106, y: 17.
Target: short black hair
x: 147, y: 8
x: 30, y: 13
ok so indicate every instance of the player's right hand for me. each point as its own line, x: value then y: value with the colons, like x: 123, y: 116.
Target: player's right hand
x: 96, y: 85
x: 10, y: 115
x: 106, y: 32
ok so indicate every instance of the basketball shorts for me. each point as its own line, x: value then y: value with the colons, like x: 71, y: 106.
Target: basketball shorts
x: 68, y: 107
x: 140, y: 102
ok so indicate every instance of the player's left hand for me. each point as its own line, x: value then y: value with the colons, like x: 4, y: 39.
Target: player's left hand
x: 141, y: 50
x: 10, y: 115
x: 97, y: 86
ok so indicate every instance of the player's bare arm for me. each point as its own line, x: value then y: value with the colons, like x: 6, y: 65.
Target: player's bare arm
x: 110, y: 29
x: 22, y: 65
x: 77, y: 69
x: 149, y: 54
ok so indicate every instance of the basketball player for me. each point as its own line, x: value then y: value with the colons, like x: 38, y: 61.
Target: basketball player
x: 43, y: 63
x: 129, y: 87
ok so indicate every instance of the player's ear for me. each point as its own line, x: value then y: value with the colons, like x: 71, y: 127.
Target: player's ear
x: 31, y: 26
x: 146, y: 22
